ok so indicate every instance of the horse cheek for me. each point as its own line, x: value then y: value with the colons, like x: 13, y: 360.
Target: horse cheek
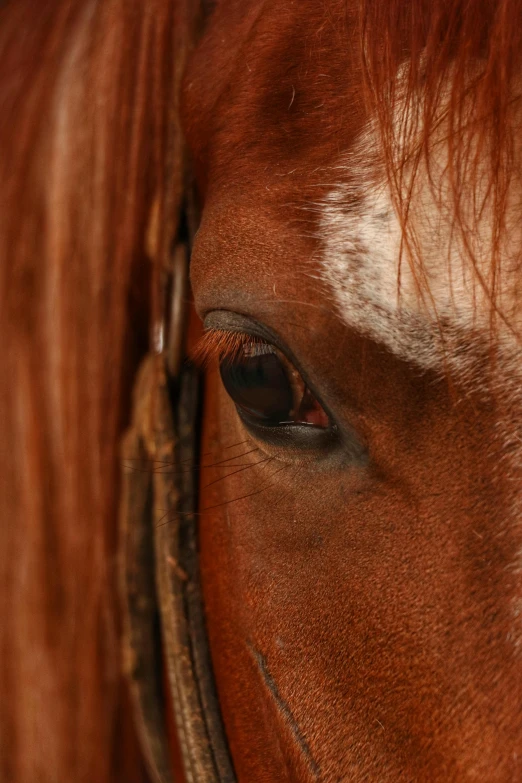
x: 251, y: 730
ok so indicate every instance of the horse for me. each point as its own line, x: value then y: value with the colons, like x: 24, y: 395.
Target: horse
x: 343, y: 600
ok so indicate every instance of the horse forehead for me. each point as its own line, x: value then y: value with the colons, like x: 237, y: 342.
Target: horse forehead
x: 247, y: 253
x: 283, y: 89
x: 268, y: 124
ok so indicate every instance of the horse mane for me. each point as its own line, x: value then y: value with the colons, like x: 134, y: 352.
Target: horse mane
x: 458, y: 62
x: 86, y: 101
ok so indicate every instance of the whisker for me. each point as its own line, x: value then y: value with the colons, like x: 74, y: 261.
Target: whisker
x: 234, y: 472
x: 262, y: 464
x: 154, y: 465
x: 166, y: 514
x: 166, y: 468
x: 241, y: 442
x: 236, y: 456
x: 147, y: 461
x: 248, y: 495
x: 231, y: 465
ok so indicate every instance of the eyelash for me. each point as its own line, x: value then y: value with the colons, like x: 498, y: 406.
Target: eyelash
x: 219, y: 344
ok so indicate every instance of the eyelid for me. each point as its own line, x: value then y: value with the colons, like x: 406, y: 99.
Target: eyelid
x: 220, y: 344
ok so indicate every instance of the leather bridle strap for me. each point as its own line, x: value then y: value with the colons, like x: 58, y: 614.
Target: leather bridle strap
x: 160, y: 581
x: 162, y: 607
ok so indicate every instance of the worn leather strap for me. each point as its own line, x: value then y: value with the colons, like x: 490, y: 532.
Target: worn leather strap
x: 163, y: 618
x: 163, y: 609
x: 142, y: 658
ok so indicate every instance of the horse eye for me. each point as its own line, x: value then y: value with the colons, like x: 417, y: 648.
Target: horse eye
x: 266, y: 388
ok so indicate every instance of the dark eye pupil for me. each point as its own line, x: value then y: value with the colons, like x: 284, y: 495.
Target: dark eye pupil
x: 260, y: 387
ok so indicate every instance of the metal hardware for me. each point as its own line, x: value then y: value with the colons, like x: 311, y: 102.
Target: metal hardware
x: 178, y: 297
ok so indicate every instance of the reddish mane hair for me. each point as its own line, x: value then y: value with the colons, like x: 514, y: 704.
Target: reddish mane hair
x: 461, y: 63
x: 85, y: 133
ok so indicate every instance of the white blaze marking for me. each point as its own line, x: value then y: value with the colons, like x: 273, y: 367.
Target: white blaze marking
x: 420, y: 309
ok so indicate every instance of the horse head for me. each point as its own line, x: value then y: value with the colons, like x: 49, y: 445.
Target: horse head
x: 356, y: 270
